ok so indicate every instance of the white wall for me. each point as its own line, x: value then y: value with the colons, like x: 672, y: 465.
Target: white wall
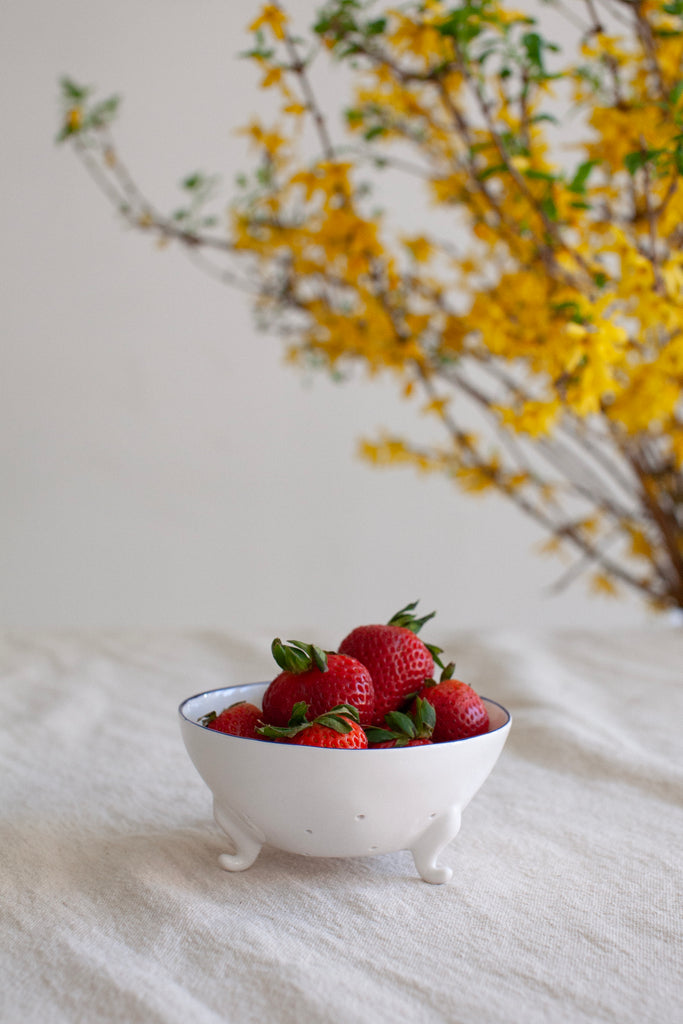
x: 160, y: 465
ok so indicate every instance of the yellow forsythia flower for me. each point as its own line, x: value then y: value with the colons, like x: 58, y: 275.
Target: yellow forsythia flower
x: 272, y: 17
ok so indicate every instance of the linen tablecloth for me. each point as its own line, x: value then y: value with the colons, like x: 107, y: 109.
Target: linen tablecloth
x: 566, y: 899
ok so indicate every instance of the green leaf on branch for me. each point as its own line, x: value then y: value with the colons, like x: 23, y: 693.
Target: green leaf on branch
x: 675, y: 94
x: 533, y: 45
x: 337, y: 20
x: 569, y: 311
x: 374, y: 132
x: 581, y: 175
x: 539, y: 175
x: 192, y: 181
x: 376, y: 27
x: 78, y: 116
x: 490, y: 171
x: 102, y: 113
x: 73, y: 93
x: 634, y: 161
x: 462, y: 25
x: 354, y: 116
x: 548, y: 207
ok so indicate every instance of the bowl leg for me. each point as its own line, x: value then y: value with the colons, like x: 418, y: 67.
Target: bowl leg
x: 430, y: 844
x: 247, y: 847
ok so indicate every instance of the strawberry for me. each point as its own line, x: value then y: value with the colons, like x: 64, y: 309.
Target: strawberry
x: 240, y: 719
x: 337, y: 729
x: 460, y: 712
x: 410, y: 729
x: 398, y: 661
x: 320, y: 679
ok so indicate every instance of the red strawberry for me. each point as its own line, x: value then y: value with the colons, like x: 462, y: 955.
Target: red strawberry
x: 320, y: 680
x: 338, y: 729
x: 460, y: 712
x: 239, y: 719
x: 398, y: 661
x: 412, y: 729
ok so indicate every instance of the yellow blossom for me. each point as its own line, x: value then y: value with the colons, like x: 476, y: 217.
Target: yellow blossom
x: 74, y: 119
x: 420, y: 248
x: 534, y: 418
x: 273, y: 76
x: 640, y: 546
x: 272, y: 17
x: 603, y: 584
x: 478, y: 478
x: 437, y: 406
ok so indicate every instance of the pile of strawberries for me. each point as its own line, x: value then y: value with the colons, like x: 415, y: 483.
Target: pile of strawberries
x: 377, y: 690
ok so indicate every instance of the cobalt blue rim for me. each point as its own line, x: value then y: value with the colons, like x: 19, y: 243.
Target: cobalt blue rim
x: 242, y: 686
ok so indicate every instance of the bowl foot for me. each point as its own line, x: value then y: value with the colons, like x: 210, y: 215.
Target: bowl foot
x: 430, y: 844
x: 247, y: 847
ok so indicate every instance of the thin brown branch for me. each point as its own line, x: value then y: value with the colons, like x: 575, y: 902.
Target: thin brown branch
x: 568, y: 531
x: 299, y: 68
x: 551, y: 229
x: 596, y: 26
x: 652, y: 253
x: 646, y: 37
x: 583, y: 562
x: 558, y: 456
x: 510, y: 228
x: 665, y: 523
x: 115, y: 182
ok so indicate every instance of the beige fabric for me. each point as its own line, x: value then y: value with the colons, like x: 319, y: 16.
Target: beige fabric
x: 566, y: 899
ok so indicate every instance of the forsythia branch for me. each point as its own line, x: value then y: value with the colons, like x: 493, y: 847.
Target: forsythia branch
x: 542, y: 327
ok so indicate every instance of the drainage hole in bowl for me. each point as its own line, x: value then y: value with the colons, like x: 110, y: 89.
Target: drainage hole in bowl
x: 360, y: 817
x: 433, y: 814
x: 308, y: 831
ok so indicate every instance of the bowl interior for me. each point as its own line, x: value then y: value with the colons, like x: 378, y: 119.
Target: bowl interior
x: 194, y: 708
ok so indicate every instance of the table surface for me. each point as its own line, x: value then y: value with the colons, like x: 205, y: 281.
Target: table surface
x: 565, y: 903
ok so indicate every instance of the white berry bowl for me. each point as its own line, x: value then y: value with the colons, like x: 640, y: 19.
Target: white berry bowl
x: 336, y: 803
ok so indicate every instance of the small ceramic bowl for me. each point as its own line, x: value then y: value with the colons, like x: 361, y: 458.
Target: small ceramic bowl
x: 336, y: 803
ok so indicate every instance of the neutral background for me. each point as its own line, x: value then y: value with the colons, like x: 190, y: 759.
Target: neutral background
x: 161, y: 466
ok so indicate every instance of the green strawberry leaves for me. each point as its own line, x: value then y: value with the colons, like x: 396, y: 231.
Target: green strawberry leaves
x: 436, y: 653
x: 297, y: 657
x: 336, y: 718
x: 402, y: 727
x: 405, y: 618
x: 447, y: 672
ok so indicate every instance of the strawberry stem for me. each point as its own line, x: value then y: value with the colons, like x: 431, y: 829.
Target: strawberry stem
x: 407, y: 620
x: 403, y: 727
x: 436, y: 653
x: 336, y: 718
x: 297, y: 657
